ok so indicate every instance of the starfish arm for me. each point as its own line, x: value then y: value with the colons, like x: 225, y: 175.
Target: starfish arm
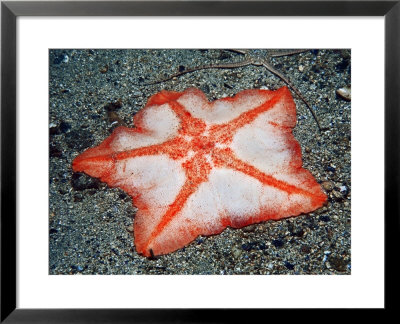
x: 189, y: 124
x: 154, y: 126
x: 306, y: 187
x: 228, y: 110
x: 159, y: 237
x: 278, y: 106
x: 234, y: 198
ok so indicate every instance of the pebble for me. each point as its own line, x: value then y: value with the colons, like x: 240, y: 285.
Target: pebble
x: 249, y: 246
x: 64, y: 127
x: 80, y: 182
x: 327, y: 185
x: 337, y: 195
x: 54, y: 151
x: 330, y: 169
x: 250, y: 228
x: 338, y: 263
x: 236, y: 252
x: 324, y: 218
x: 278, y: 243
x: 321, y: 210
x: 289, y: 266
x: 344, y: 93
x: 78, y: 198
x: 305, y: 249
x: 104, y: 69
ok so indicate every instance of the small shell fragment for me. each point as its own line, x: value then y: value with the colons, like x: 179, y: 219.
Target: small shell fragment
x: 344, y: 93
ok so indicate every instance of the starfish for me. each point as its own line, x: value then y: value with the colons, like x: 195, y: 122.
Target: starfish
x: 250, y: 59
x: 194, y: 167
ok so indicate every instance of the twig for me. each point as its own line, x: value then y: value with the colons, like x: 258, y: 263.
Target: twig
x: 248, y: 60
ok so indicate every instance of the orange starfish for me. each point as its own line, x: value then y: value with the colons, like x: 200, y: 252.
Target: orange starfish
x: 193, y: 167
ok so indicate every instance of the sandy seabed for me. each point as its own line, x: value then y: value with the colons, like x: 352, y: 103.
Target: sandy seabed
x: 91, y: 225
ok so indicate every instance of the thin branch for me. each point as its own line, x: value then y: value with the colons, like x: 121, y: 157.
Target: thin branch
x: 297, y: 91
x: 204, y: 67
x: 280, y: 53
x: 255, y: 62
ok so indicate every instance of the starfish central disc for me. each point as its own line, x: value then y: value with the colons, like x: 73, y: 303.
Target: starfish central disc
x: 202, y: 144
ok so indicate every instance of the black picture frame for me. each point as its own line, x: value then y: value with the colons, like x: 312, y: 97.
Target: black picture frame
x: 10, y: 10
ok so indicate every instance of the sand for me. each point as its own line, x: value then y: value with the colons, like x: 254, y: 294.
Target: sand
x: 91, y: 225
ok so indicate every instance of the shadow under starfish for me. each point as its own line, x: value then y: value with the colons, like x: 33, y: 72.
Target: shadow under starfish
x: 255, y: 61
